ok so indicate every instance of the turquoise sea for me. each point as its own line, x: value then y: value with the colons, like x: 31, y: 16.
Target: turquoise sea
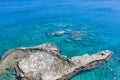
x: 27, y: 22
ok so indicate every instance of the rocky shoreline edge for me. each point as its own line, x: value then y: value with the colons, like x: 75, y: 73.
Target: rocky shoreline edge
x: 44, y: 62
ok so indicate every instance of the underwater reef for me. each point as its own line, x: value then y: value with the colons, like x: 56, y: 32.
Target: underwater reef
x: 44, y: 62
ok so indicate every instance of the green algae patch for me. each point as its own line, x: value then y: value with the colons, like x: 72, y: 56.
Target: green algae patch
x: 9, y: 74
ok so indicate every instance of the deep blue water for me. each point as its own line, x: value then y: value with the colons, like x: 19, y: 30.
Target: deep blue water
x: 26, y: 22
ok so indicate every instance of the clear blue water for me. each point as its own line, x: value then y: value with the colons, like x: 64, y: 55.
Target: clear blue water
x: 26, y: 22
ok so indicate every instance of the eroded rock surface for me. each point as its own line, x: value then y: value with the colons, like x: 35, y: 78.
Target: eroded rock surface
x: 44, y: 62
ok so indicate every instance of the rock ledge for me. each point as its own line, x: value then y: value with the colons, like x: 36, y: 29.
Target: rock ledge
x: 44, y: 62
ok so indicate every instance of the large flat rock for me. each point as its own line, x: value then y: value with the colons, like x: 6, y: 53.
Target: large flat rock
x: 44, y: 62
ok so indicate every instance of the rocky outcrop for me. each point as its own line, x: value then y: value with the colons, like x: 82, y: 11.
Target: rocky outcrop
x: 57, y: 33
x: 72, y: 35
x: 44, y: 62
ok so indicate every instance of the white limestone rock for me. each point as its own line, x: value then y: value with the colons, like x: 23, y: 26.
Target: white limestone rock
x: 44, y: 62
x: 50, y: 65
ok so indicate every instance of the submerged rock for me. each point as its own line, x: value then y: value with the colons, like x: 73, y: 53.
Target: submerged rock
x: 44, y: 62
x: 57, y: 33
x: 71, y: 35
x: 68, y: 40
